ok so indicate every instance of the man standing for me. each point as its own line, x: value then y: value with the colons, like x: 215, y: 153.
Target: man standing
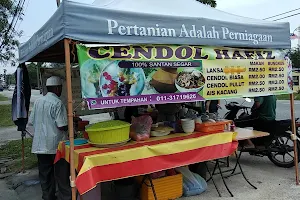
x: 264, y: 110
x: 49, y: 119
x: 212, y: 106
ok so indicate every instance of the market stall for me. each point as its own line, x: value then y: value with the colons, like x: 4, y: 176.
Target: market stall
x: 113, y: 74
x: 180, y: 150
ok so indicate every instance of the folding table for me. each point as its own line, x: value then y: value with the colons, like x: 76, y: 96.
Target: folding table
x: 242, y: 134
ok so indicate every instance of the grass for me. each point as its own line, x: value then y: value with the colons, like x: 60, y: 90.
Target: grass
x: 287, y: 96
x: 5, y: 116
x: 13, y: 150
x: 3, y: 98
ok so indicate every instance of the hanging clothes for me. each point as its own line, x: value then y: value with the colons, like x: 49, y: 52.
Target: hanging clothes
x: 21, y: 98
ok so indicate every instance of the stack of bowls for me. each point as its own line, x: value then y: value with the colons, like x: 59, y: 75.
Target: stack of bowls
x: 188, y: 125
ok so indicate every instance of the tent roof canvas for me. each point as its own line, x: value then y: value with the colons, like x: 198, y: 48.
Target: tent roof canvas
x: 149, y: 22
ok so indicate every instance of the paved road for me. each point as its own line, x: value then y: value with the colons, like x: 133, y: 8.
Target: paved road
x: 273, y: 183
x: 35, y: 94
x: 11, y: 133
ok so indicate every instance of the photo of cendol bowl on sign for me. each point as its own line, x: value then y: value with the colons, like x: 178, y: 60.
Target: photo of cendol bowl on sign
x: 190, y: 80
x: 116, y: 81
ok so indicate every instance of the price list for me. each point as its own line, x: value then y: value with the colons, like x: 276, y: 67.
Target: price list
x: 252, y: 78
x: 268, y: 77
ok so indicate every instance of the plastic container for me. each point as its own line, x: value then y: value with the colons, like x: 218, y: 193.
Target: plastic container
x: 108, y: 132
x: 77, y: 142
x: 166, y: 188
x: 188, y: 125
x: 211, y: 127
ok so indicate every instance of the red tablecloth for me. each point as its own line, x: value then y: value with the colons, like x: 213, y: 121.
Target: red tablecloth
x: 95, y: 165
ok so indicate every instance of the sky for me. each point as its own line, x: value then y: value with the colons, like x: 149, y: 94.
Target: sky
x: 37, y: 12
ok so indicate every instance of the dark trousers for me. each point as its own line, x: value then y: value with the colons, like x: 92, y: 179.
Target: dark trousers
x: 51, y: 174
x: 265, y: 126
x: 199, y: 168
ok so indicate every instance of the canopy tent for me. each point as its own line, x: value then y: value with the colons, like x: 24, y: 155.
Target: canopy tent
x: 146, y: 22
x: 149, y: 22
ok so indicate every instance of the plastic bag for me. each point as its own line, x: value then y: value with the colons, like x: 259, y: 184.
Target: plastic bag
x: 140, y: 128
x: 193, y: 184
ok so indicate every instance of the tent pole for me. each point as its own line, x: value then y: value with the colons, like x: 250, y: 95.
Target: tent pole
x: 38, y: 77
x: 70, y: 115
x: 294, y: 137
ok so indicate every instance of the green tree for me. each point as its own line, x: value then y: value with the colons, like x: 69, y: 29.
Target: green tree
x: 32, y: 73
x: 211, y: 3
x: 10, y: 14
x: 295, y: 57
x: 10, y: 79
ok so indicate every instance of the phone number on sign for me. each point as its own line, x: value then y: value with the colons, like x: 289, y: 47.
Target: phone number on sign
x: 175, y: 97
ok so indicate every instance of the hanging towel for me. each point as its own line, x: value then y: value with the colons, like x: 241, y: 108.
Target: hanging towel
x: 21, y: 98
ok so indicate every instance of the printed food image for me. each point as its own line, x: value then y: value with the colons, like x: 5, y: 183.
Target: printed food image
x: 115, y: 81
x: 289, y: 77
x: 226, y: 70
x: 163, y: 80
x: 243, y: 69
x: 190, y: 81
x: 233, y: 70
x: 290, y: 82
x: 90, y: 72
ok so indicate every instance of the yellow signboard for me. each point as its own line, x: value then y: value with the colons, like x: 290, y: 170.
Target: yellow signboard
x: 157, y: 74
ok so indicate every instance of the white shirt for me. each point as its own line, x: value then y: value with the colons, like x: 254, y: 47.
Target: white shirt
x: 47, y: 115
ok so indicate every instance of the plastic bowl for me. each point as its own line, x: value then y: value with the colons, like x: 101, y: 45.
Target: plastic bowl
x: 108, y: 132
x: 188, y: 125
x: 77, y: 142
